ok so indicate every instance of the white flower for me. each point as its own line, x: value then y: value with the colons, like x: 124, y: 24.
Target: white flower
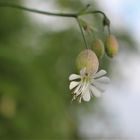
x: 85, y: 85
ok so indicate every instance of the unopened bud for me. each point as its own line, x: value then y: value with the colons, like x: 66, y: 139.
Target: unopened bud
x: 98, y: 48
x: 87, y: 59
x: 111, y: 46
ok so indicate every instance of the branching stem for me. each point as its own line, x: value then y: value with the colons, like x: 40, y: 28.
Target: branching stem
x: 69, y: 15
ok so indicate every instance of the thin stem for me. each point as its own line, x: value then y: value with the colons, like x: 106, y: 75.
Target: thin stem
x: 36, y: 11
x: 80, y: 26
x: 104, y: 17
x: 93, y: 12
x: 109, y: 32
x: 72, y: 15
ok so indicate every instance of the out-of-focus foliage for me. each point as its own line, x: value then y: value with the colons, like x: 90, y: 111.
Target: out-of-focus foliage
x: 34, y: 96
x: 34, y: 70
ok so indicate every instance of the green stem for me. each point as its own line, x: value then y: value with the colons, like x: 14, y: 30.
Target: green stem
x: 109, y: 32
x: 80, y: 26
x: 36, y: 11
x: 93, y: 12
x: 72, y: 15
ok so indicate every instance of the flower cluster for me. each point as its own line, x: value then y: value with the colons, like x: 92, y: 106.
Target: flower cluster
x: 90, y: 81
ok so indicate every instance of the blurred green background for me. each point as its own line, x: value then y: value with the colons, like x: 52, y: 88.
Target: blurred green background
x: 34, y: 67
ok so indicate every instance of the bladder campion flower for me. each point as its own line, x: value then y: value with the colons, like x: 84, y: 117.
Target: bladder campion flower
x: 88, y: 83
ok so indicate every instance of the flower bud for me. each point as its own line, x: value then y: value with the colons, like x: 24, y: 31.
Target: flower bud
x: 87, y: 59
x: 98, y: 48
x: 111, y: 46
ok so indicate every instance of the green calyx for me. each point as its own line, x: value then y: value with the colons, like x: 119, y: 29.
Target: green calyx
x: 111, y: 46
x: 98, y: 48
x: 87, y: 59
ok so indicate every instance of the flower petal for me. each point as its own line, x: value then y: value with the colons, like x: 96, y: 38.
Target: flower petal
x: 103, y: 79
x: 80, y: 89
x: 86, y: 96
x: 95, y: 91
x: 74, y: 76
x: 101, y: 86
x: 77, y: 90
x: 100, y: 73
x: 73, y: 84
